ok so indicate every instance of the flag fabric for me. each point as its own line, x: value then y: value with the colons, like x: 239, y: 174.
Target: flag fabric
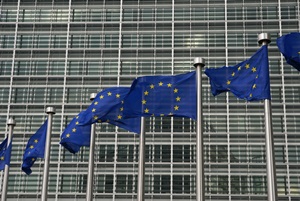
x: 173, y: 95
x: 76, y: 136
x: 289, y: 46
x: 35, y: 148
x: 116, y: 117
x: 108, y: 107
x: 104, y: 102
x: 247, y: 80
x: 5, y: 154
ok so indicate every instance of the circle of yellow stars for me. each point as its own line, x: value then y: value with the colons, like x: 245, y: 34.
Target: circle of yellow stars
x: 102, y: 96
x: 233, y: 74
x: 152, y: 87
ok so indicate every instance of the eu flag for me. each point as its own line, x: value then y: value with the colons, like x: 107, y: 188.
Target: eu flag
x: 76, y: 136
x: 104, y: 102
x: 4, y: 154
x: 116, y: 117
x: 108, y: 106
x: 35, y: 148
x: 162, y: 96
x: 289, y: 46
x: 247, y: 80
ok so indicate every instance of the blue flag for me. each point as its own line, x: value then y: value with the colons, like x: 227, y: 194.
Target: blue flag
x: 108, y: 107
x: 247, y: 80
x: 76, y: 136
x: 35, y: 148
x: 4, y: 154
x: 289, y: 46
x: 162, y: 96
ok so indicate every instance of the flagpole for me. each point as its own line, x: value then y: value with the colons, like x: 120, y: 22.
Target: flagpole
x: 265, y: 39
x: 199, y: 63
x: 90, y: 179
x: 50, y: 111
x: 11, y: 123
x: 141, y: 167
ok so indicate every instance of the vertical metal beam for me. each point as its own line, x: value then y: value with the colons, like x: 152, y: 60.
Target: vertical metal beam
x: 141, y: 176
x: 50, y: 111
x: 11, y: 123
x: 199, y: 63
x: 90, y: 179
x: 265, y: 39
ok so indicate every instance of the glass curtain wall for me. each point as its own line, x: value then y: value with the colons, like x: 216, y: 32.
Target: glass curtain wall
x: 55, y: 53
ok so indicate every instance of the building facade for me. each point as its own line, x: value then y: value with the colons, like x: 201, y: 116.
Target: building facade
x: 55, y: 53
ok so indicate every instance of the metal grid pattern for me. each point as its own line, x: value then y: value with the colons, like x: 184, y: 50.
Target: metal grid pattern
x: 58, y: 52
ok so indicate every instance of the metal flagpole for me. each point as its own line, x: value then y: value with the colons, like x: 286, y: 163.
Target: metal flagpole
x: 90, y: 179
x: 265, y: 39
x: 11, y: 123
x: 141, y: 176
x: 50, y: 111
x: 199, y: 63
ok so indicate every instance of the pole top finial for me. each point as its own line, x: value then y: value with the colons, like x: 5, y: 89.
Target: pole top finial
x: 50, y: 110
x: 264, y: 38
x: 11, y: 121
x: 93, y: 96
x: 199, y: 61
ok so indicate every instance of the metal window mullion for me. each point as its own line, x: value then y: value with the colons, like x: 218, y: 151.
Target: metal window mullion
x: 64, y: 97
x: 284, y: 107
x: 13, y: 62
x: 227, y: 105
x: 173, y: 28
x: 120, y: 42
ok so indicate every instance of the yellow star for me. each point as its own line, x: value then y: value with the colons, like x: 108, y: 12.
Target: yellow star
x: 109, y: 93
x: 169, y: 85
x: 160, y: 83
x: 233, y: 74
x: 253, y: 69
x: 95, y: 117
x: 77, y: 117
x: 298, y: 52
x: 68, y: 135
x: 36, y: 141
x: 146, y: 110
x: 254, y: 86
x: 31, y: 147
x: 144, y: 102
x: 101, y: 97
x: 2, y: 158
x: 250, y: 95
x: 247, y: 66
x: 175, y: 90
x: 239, y: 68
x: 96, y: 103
x: 118, y: 95
x: 176, y: 107
x: 121, y: 109
x: 152, y: 86
x: 74, y: 130
x: 119, y: 117
x: 178, y: 98
x: 146, y: 93
x: 228, y: 82
x: 93, y: 110
x: 33, y: 159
